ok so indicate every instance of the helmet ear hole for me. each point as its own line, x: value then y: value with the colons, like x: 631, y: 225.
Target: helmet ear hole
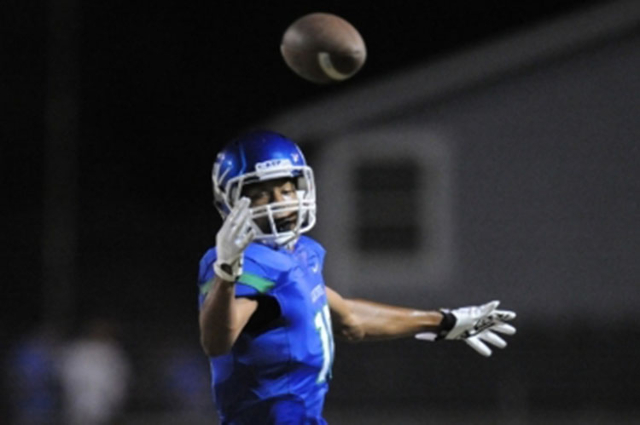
x: 301, y: 184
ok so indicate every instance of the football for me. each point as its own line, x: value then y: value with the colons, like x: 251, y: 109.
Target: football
x: 323, y: 48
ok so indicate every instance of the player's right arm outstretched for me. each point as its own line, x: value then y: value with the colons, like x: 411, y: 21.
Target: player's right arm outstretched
x: 222, y: 315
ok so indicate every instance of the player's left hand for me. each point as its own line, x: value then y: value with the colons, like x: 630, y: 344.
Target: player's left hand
x: 475, y: 325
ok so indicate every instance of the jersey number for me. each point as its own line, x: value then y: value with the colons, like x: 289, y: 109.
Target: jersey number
x: 323, y: 325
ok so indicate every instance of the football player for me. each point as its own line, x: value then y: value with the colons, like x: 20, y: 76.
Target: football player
x: 267, y: 319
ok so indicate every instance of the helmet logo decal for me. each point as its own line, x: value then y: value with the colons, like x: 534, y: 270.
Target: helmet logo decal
x: 273, y: 165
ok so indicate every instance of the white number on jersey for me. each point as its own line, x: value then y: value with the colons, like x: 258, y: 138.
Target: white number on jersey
x: 323, y: 325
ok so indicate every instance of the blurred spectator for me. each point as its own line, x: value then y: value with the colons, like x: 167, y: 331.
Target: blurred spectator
x: 94, y: 374
x: 186, y: 380
x: 31, y: 381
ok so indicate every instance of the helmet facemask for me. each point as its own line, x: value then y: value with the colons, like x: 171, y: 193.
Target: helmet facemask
x: 275, y: 213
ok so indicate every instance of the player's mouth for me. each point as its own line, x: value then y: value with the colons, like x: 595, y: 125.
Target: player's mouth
x: 287, y: 223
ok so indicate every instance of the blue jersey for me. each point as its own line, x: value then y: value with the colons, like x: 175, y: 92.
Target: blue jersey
x: 277, y: 375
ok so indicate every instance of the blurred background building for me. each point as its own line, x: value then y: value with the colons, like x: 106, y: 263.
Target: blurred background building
x: 483, y: 152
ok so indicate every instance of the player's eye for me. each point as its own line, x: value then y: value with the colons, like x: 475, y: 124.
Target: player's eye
x: 257, y: 195
x: 288, y: 188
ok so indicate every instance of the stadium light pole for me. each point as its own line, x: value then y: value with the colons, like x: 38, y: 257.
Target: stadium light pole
x: 60, y: 204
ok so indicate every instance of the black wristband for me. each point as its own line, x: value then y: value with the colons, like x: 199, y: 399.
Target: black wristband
x: 226, y: 268
x: 447, y: 323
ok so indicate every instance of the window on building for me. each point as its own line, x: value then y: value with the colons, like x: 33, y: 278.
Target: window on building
x: 387, y: 206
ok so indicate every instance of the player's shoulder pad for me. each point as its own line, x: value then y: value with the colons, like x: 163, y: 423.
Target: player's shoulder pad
x: 256, y: 278
x: 266, y: 260
x: 313, y: 245
x: 205, y: 271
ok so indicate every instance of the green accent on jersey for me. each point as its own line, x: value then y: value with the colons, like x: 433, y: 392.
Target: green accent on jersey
x: 260, y: 284
x: 204, y: 289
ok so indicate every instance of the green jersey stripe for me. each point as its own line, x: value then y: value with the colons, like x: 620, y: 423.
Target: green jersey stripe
x: 260, y: 284
x: 204, y: 289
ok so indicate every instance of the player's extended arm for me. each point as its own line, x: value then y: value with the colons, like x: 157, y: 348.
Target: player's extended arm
x: 358, y: 320
x: 222, y: 315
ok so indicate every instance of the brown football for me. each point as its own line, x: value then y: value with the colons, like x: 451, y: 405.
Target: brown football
x: 323, y: 48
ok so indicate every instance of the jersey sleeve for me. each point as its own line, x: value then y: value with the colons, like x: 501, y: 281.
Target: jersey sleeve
x: 320, y: 251
x: 206, y: 275
x: 253, y: 282
x: 317, y: 249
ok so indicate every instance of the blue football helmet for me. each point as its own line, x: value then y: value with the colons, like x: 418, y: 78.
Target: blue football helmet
x: 257, y: 157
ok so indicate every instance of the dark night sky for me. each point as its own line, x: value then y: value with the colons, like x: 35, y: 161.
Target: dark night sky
x: 161, y: 86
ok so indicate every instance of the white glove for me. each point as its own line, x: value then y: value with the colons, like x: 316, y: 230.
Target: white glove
x: 232, y: 239
x: 475, y: 325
